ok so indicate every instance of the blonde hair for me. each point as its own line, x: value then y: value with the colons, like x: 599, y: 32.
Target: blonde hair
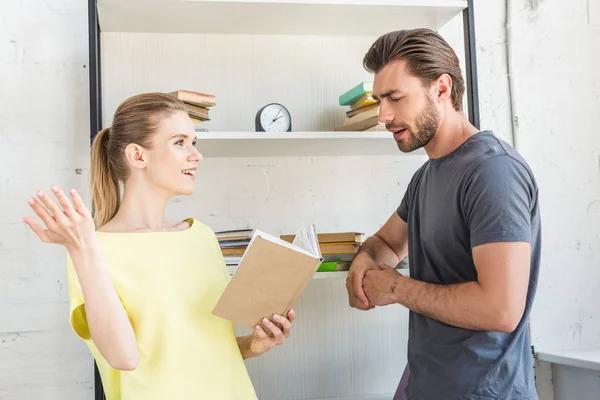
x: 135, y: 121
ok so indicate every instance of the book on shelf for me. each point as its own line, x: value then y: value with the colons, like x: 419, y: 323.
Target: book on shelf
x: 332, y: 237
x: 235, y: 234
x: 233, y: 244
x: 352, y: 95
x: 362, y: 102
x: 377, y: 128
x: 194, y: 98
x: 363, y: 112
x: 338, y: 257
x: 338, y: 249
x: 334, y: 266
x: 360, y: 125
x: 271, y: 276
x: 197, y: 112
x: 197, y: 105
x: 352, y: 113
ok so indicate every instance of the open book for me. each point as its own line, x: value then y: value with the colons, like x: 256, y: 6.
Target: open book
x: 270, y: 278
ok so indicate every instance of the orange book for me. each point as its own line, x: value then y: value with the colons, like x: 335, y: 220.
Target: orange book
x: 334, y: 237
x: 195, y: 98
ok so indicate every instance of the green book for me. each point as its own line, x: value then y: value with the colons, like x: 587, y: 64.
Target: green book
x: 348, y: 98
x: 332, y: 266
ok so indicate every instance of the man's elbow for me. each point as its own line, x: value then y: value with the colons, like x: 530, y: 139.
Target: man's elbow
x: 508, y: 320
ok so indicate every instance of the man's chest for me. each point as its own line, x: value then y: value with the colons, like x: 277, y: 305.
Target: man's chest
x: 436, y: 215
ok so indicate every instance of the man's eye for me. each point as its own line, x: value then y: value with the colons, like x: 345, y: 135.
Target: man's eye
x: 395, y: 100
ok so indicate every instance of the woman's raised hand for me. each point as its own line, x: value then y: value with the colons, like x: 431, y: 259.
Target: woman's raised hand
x: 68, y: 224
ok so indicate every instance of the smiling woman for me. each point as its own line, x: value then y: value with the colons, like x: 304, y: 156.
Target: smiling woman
x: 141, y: 287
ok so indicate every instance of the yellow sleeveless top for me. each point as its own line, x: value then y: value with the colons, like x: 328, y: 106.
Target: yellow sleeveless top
x: 169, y: 283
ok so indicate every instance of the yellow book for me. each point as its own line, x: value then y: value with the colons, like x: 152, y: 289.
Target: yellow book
x: 364, y: 100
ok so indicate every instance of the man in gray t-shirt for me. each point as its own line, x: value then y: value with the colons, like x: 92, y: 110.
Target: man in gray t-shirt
x: 470, y: 224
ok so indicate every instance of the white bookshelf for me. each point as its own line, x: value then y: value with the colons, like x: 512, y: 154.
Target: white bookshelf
x: 297, y: 144
x: 296, y: 17
x: 266, y: 42
x: 302, y: 54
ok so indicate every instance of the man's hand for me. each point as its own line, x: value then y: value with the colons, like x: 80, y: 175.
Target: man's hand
x: 354, y: 282
x: 379, y: 285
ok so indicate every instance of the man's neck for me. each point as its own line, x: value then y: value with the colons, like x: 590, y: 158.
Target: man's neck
x: 452, y: 132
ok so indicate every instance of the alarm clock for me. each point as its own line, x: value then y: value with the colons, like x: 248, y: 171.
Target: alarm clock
x: 273, y: 118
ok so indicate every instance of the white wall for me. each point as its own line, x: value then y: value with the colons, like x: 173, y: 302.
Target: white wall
x: 44, y: 124
x: 44, y: 118
x: 557, y: 59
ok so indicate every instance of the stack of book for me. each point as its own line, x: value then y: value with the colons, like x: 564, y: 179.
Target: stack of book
x: 363, y: 112
x: 337, y: 248
x: 197, y: 105
x: 233, y: 244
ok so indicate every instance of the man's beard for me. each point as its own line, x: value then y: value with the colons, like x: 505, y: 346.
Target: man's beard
x: 426, y: 125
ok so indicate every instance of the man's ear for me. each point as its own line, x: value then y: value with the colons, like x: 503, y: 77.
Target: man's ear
x: 136, y: 156
x: 443, y: 85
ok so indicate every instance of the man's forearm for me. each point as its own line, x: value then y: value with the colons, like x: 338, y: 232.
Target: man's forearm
x: 379, y: 251
x: 464, y: 305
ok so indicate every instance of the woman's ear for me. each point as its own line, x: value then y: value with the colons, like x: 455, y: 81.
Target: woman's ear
x: 136, y: 156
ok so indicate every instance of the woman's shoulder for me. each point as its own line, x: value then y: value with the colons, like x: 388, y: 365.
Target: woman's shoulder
x: 193, y: 223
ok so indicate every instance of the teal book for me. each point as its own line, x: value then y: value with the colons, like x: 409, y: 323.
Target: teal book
x: 348, y: 98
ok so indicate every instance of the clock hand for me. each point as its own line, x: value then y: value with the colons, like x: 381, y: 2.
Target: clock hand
x: 275, y: 119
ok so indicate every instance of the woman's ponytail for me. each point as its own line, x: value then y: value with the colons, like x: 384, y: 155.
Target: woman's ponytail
x: 106, y: 193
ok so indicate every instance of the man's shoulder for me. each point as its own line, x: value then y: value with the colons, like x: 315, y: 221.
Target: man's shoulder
x: 493, y: 157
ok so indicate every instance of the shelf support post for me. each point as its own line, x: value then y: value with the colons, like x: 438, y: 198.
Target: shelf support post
x: 95, y: 119
x: 471, y: 64
x: 94, y: 68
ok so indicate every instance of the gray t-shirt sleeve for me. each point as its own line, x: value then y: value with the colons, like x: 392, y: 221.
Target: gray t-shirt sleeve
x: 403, y: 207
x: 498, y: 199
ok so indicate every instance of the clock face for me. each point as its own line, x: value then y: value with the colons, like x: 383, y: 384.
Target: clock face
x: 275, y: 118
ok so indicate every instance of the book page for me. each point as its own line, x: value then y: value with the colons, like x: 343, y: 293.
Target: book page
x: 314, y: 242
x: 300, y: 248
x: 302, y: 240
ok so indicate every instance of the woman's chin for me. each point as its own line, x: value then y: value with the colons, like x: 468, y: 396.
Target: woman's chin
x: 187, y: 191
x: 183, y: 190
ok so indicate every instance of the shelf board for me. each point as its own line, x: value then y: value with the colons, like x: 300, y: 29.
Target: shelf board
x: 578, y: 358
x: 297, y: 144
x: 284, y: 17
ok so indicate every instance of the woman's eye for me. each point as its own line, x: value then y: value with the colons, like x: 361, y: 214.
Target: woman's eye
x: 194, y: 143
x: 179, y: 142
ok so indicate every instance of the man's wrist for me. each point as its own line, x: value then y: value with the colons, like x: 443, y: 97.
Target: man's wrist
x: 362, y: 255
x: 396, y: 290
